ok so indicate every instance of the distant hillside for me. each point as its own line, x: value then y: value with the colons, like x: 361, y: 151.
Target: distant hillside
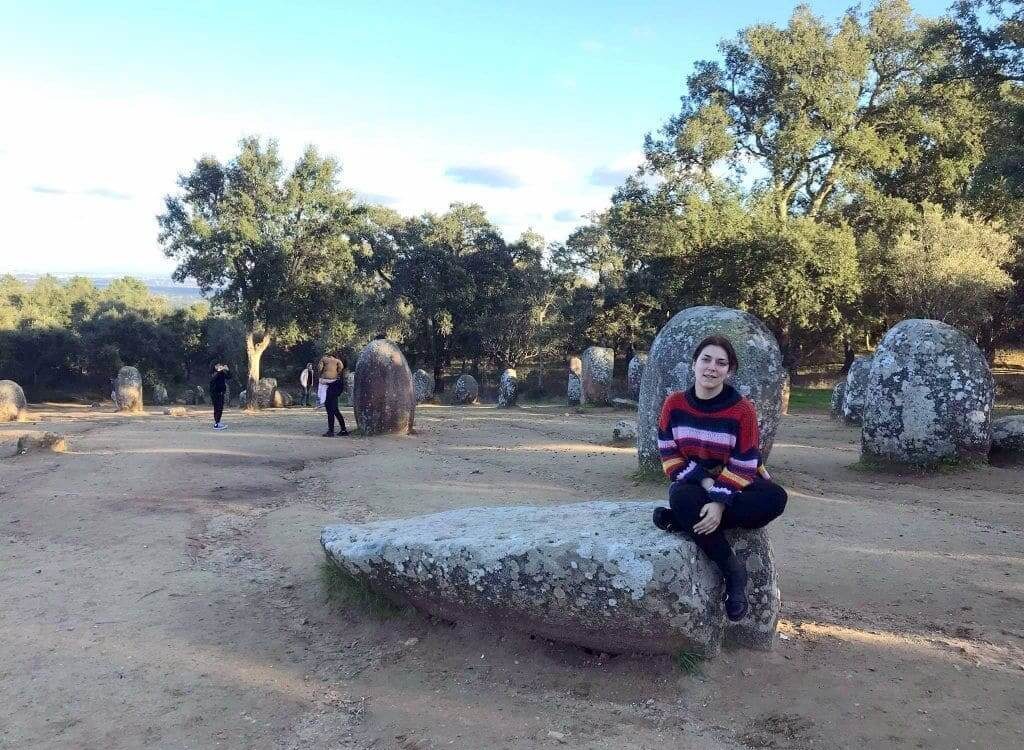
x: 178, y: 294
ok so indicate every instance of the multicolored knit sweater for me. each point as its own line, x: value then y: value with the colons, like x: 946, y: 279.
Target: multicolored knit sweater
x: 715, y: 437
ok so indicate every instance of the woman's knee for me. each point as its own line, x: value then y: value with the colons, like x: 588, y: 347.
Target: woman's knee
x: 686, y: 500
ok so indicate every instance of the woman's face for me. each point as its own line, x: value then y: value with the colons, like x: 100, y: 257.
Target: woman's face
x: 712, y: 367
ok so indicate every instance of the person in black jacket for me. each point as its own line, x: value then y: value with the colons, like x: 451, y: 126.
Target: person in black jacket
x: 219, y: 377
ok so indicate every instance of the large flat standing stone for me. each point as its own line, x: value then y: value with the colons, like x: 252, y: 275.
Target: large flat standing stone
x: 596, y: 574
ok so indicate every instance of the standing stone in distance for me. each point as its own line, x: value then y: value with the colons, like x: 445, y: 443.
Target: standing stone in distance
x: 670, y: 368
x: 635, y: 374
x: 624, y: 431
x: 349, y: 389
x: 128, y: 390
x: 835, y: 408
x: 573, y: 390
x: 160, y: 396
x: 13, y: 405
x: 383, y: 401
x: 787, y: 389
x: 265, y: 390
x: 596, y: 574
x: 423, y: 385
x: 466, y: 391
x: 598, y: 367
x: 1008, y: 435
x: 929, y: 396
x: 508, y: 389
x: 851, y: 408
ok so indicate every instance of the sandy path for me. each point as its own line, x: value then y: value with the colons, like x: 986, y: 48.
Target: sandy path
x: 158, y: 587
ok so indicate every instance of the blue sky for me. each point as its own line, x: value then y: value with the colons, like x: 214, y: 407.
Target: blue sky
x: 534, y: 110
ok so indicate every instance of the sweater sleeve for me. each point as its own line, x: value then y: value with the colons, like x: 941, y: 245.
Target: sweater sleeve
x: 744, y: 464
x: 676, y: 465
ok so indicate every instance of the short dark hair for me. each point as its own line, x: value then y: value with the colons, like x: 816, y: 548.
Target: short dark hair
x: 722, y: 341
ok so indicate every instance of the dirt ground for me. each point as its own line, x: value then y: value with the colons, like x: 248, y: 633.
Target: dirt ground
x: 159, y: 588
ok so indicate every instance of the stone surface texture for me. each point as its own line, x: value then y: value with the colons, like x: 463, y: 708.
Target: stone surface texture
x: 384, y: 401
x: 929, y: 396
x: 266, y: 393
x: 635, y: 374
x: 13, y: 405
x: 670, y: 368
x: 596, y: 574
x: 467, y: 390
x: 623, y: 431
x: 573, y: 390
x: 1008, y: 434
x: 47, y: 441
x: 598, y: 366
x: 851, y: 408
x: 835, y: 408
x: 160, y: 396
x: 508, y: 389
x: 128, y: 390
x: 423, y: 386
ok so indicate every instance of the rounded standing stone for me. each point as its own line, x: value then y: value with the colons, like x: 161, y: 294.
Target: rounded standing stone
x: 384, y: 401
x: 635, y: 374
x: 929, y: 396
x: 160, y: 396
x: 128, y: 390
x: 265, y: 393
x: 598, y: 367
x: 467, y: 391
x: 12, y: 402
x: 423, y: 385
x: 851, y: 408
x: 508, y: 389
x: 835, y: 408
x: 1008, y: 435
x: 670, y: 368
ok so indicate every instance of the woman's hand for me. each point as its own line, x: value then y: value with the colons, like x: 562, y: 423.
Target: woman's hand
x: 707, y: 483
x: 710, y: 518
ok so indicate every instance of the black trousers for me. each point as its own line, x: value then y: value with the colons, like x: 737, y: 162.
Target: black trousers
x: 218, y: 406
x: 760, y: 503
x: 305, y: 395
x: 333, y: 392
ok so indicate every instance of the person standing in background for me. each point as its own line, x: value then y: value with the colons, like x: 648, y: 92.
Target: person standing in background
x: 219, y: 377
x: 306, y: 381
x: 330, y: 370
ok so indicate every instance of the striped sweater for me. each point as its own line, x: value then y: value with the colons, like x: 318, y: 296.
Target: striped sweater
x: 716, y: 438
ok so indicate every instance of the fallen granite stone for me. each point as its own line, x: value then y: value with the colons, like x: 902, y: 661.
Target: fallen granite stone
x: 624, y: 431
x: 12, y: 402
x: 47, y: 441
x: 929, y: 396
x: 624, y: 403
x: 596, y: 574
x: 175, y: 411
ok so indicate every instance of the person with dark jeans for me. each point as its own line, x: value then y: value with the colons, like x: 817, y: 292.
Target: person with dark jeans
x: 306, y: 380
x: 708, y: 440
x: 333, y: 412
x: 219, y: 376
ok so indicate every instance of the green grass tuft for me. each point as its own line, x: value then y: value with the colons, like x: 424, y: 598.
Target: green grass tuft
x: 801, y: 399
x: 648, y: 475
x: 875, y: 465
x: 344, y: 590
x: 688, y: 661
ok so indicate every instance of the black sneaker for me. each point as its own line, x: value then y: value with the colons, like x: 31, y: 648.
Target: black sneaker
x: 664, y: 520
x: 328, y: 434
x: 344, y: 433
x: 736, y: 591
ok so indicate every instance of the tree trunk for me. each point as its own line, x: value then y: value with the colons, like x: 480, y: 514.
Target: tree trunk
x: 254, y: 351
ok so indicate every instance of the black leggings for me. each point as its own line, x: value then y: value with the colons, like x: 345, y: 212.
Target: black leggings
x: 333, y: 392
x: 218, y: 406
x: 760, y: 503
